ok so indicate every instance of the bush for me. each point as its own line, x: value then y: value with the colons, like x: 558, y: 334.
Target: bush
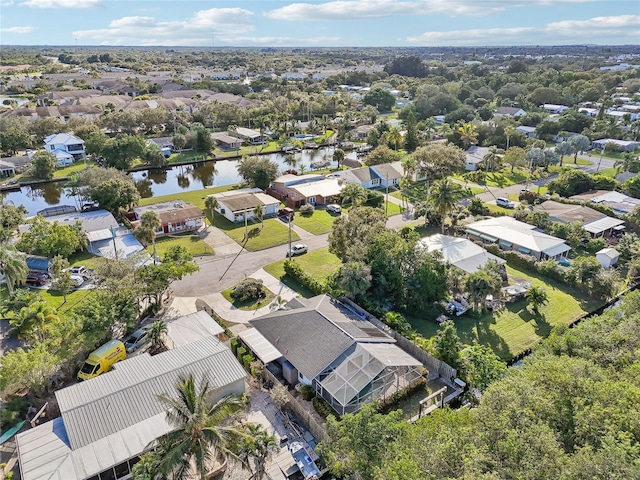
x: 323, y: 408
x: 248, y: 289
x: 296, y: 272
x: 307, y: 210
x: 234, y: 346
x: 241, y: 352
x: 477, y: 176
x: 307, y: 392
x: 477, y: 207
x: 374, y: 199
x: 13, y: 410
x: 596, y: 244
x: 532, y: 198
x: 246, y: 361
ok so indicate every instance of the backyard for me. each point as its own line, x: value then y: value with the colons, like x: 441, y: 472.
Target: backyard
x: 514, y: 329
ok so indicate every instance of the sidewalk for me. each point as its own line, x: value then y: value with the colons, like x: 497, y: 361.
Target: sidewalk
x: 222, y: 243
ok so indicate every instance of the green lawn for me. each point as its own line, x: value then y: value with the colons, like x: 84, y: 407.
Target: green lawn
x: 320, y: 222
x: 195, y: 197
x: 251, y: 304
x: 271, y: 234
x: 71, y: 169
x: 56, y: 300
x: 505, y: 178
x: 193, y: 243
x: 85, y: 259
x: 609, y: 172
x: 514, y: 329
x: 391, y: 209
x: 317, y: 263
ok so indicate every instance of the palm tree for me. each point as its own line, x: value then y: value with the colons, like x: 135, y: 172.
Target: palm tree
x: 509, y: 132
x: 32, y: 318
x: 291, y: 160
x: 258, y: 213
x: 338, y: 156
x: 13, y: 265
x: 199, y: 440
x: 211, y: 203
x: 394, y: 136
x: 156, y: 333
x: 629, y: 162
x: 444, y: 197
x: 537, y: 297
x: 354, y: 278
x: 562, y: 149
x: 492, y: 158
x: 354, y: 194
x: 468, y: 134
x: 149, y: 224
x: 258, y: 446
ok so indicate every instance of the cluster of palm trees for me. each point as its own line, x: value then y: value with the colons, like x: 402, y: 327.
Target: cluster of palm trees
x: 204, y: 438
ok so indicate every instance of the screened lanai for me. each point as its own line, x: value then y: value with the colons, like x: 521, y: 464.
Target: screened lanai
x: 366, y: 372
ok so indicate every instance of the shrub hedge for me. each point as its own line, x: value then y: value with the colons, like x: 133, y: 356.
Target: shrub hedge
x: 323, y: 408
x: 296, y: 272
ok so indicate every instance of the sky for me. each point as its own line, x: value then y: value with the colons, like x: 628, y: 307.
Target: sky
x: 338, y: 23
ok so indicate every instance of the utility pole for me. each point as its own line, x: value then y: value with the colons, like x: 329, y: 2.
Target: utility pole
x: 600, y: 161
x: 386, y: 198
x: 290, y: 222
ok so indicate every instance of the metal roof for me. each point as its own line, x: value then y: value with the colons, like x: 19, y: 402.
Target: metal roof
x: 259, y: 345
x: 602, y: 225
x: 127, y: 395
x: 192, y: 327
x: 459, y: 252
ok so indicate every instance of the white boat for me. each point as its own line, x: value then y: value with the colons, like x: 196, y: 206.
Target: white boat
x: 302, y: 458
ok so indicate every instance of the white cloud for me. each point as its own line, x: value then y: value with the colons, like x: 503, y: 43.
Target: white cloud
x: 61, y: 3
x: 598, y: 29
x: 6, y: 4
x: 25, y: 29
x: 359, y: 9
x: 282, y: 41
x: 197, y: 30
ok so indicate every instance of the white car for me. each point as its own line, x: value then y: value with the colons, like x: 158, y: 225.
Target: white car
x: 136, y: 339
x: 79, y: 270
x: 334, y: 208
x: 298, y: 249
x: 77, y: 280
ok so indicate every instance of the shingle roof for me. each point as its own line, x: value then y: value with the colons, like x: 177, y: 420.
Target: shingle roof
x: 387, y: 171
x: 562, y: 212
x: 313, y: 336
x: 128, y: 394
x: 363, y: 174
x: 62, y: 138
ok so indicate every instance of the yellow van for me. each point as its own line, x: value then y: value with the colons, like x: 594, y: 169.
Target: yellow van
x: 102, y: 359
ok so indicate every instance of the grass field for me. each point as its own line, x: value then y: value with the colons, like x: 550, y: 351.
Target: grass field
x: 195, y: 197
x: 609, y: 172
x: 514, y: 328
x: 320, y: 264
x: 271, y: 234
x: 193, y: 243
x: 250, y: 305
x: 320, y: 222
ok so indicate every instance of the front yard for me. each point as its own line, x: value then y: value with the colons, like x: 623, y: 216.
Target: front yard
x: 195, y: 245
x: 320, y: 222
x: 514, y: 329
x: 270, y: 234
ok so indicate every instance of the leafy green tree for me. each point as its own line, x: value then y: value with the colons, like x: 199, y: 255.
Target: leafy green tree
x: 177, y: 262
x: 153, y: 156
x: 10, y: 217
x: 51, y: 239
x: 629, y: 162
x: 28, y: 369
x: 537, y: 297
x: 571, y: 182
x: 444, y: 197
x: 258, y: 171
x: 41, y: 128
x: 115, y: 194
x: 43, y: 165
x: 382, y: 154
x: 632, y: 187
x: 353, y: 194
x: 211, y: 203
x: 122, y: 150
x: 13, y: 266
x: 199, y: 440
x: 411, y: 141
x: 439, y: 160
x: 481, y: 366
x: 204, y: 142
x: 61, y: 277
x: 379, y: 98
x: 579, y: 143
x: 354, y: 278
x: 14, y: 134
x: 515, y: 157
x: 351, y: 234
x: 359, y: 441
x: 447, y: 345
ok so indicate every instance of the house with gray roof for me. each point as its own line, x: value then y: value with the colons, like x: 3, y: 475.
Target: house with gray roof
x: 235, y: 205
x: 107, y: 422
x: 322, y: 342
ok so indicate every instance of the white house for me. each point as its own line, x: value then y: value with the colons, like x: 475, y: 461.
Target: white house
x: 235, y: 205
x: 511, y: 234
x: 553, y: 108
x: 510, y: 112
x: 248, y: 135
x: 390, y: 174
x: 462, y: 253
x: 607, y: 257
x: 529, y: 132
x: 474, y: 157
x: 65, y: 144
x: 623, y: 145
x: 361, y: 176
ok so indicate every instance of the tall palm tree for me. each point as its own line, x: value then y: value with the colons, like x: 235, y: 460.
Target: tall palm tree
x: 444, y: 197
x: 353, y: 194
x: 149, y: 224
x: 156, y: 333
x: 537, y: 297
x: 509, y: 132
x: 492, y: 158
x: 258, y: 446
x: 394, y: 136
x: 629, y: 162
x: 13, y: 265
x: 468, y: 134
x: 199, y: 440
x: 338, y: 156
x: 211, y: 203
x: 258, y: 212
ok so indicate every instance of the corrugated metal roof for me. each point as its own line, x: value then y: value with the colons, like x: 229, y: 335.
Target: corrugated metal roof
x: 192, y: 327
x: 128, y: 394
x: 602, y: 225
x: 259, y: 345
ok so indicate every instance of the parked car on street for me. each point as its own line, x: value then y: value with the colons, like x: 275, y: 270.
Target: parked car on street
x: 298, y: 249
x: 137, y: 339
x: 505, y: 202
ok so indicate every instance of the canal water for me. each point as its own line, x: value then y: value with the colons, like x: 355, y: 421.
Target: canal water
x: 153, y: 183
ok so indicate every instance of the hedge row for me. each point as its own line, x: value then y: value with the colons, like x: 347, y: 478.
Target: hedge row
x: 296, y: 272
x: 323, y: 408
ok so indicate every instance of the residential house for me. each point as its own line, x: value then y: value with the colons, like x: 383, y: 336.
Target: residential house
x: 323, y: 343
x: 623, y: 145
x: 248, y: 135
x: 66, y: 145
x: 296, y: 190
x: 509, y: 112
x: 594, y: 222
x: 226, y: 142
x: 589, y: 112
x: 365, y: 177
x: 108, y: 422
x: 165, y: 144
x: 618, y: 202
x: 460, y: 252
x: 475, y: 157
x: 175, y: 216
x: 236, y: 205
x: 553, y: 108
x: 7, y: 169
x: 192, y: 328
x: 607, y: 257
x: 529, y: 132
x: 511, y: 234
x: 390, y: 174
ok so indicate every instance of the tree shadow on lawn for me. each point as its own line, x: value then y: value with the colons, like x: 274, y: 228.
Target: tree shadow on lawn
x: 540, y: 324
x: 476, y: 327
